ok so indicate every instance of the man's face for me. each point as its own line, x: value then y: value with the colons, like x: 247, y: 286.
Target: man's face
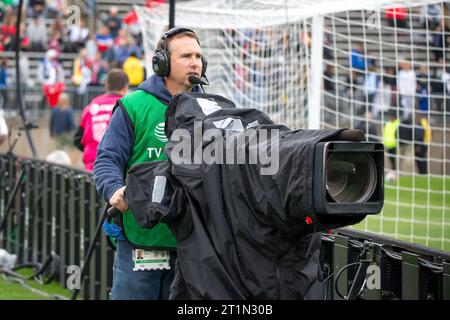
x: 185, y: 60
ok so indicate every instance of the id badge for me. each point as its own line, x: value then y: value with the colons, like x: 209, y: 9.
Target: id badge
x: 150, y: 260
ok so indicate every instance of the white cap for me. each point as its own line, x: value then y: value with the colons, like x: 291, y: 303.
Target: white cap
x: 51, y: 53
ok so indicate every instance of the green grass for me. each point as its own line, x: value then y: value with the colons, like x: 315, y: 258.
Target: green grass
x: 416, y: 209
x: 10, y: 290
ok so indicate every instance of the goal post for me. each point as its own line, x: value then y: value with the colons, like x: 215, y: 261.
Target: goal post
x: 340, y: 63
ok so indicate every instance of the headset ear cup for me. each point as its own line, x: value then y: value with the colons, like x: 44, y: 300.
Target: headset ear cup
x: 161, y: 63
x: 204, y: 65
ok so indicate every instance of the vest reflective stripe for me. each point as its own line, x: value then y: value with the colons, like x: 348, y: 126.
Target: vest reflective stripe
x: 390, y: 132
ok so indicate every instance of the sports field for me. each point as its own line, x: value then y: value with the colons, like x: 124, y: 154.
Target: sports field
x: 416, y: 209
x: 11, y: 290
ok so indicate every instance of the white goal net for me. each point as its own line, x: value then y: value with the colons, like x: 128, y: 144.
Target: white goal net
x: 358, y: 64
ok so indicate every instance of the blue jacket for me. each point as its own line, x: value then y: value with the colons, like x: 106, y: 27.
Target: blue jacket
x: 3, y: 78
x: 357, y: 60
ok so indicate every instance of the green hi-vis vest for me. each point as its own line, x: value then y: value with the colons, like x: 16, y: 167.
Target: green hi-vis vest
x: 146, y: 114
x: 390, y: 133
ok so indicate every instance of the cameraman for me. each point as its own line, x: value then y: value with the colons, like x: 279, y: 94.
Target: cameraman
x: 135, y: 135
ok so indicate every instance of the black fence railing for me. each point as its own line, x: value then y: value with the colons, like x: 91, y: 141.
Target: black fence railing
x: 54, y: 211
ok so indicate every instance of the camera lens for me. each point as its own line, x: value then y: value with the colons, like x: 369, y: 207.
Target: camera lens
x: 351, y: 177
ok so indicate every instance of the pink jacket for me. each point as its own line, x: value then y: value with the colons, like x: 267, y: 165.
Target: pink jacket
x: 94, y: 120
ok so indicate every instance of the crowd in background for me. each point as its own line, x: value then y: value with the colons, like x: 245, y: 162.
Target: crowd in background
x: 369, y: 88
x: 406, y: 96
x: 49, y: 28
x: 114, y: 42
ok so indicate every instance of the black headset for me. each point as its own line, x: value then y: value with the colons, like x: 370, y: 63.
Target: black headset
x: 161, y: 57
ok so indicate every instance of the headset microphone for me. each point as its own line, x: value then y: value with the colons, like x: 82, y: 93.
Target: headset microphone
x: 196, y: 80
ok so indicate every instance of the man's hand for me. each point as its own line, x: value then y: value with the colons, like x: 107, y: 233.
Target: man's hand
x: 118, y: 201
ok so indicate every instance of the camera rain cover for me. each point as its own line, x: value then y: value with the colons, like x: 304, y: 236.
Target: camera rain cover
x: 234, y: 225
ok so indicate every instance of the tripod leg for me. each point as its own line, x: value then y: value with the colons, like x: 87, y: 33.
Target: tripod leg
x: 91, y: 248
x: 11, y: 198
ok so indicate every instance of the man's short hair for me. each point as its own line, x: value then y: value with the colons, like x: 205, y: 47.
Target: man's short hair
x: 116, y: 80
x: 164, y: 43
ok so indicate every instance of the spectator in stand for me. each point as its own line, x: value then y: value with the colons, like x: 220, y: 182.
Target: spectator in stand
x: 8, y: 31
x: 113, y: 21
x: 330, y: 80
x: 4, y: 83
x: 56, y: 42
x: 37, y: 34
x: 406, y: 85
x: 25, y: 79
x: 96, y: 116
x: 100, y: 69
x: 82, y: 73
x: 371, y: 82
x: 62, y: 123
x: 4, y: 8
x: 422, y: 139
x: 56, y: 8
x: 353, y: 92
x: 330, y: 87
x: 134, y: 69
x: 24, y: 40
x: 328, y: 53
x: 121, y: 38
x: 78, y: 35
x: 391, y: 77
x: 383, y: 97
x: 422, y: 88
x: 91, y: 47
x: 357, y: 57
x: 130, y: 20
x: 430, y: 16
x: 119, y: 49
x: 104, y: 40
x: 390, y: 141
x: 439, y: 80
x: 397, y: 17
x: 57, y: 32
x: 367, y: 125
x: 51, y: 77
x: 439, y: 40
x: 36, y: 8
x: 123, y: 50
x: 242, y: 76
x: 57, y: 25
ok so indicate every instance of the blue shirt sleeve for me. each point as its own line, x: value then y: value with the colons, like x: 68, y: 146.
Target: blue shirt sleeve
x: 113, y: 153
